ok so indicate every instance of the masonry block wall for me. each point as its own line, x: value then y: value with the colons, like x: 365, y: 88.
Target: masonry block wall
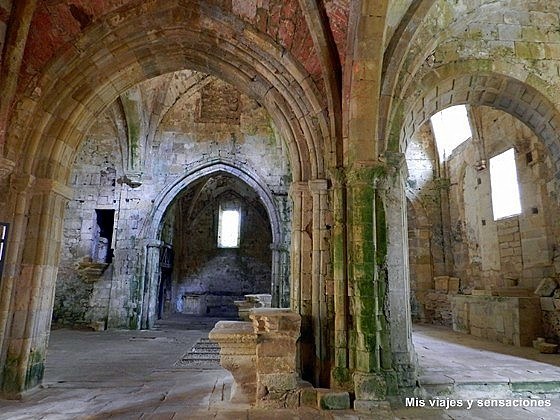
x: 518, y: 251
x: 153, y: 135
x: 514, y: 251
x: 208, y: 279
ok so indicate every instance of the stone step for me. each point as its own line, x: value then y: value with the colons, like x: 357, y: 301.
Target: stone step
x: 208, y: 346
x: 490, y: 389
x: 203, y: 352
x: 201, y: 356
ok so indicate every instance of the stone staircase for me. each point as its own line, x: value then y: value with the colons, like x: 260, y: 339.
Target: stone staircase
x: 205, y: 354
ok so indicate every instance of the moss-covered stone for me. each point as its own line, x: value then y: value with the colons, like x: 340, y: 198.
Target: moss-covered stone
x: 369, y: 386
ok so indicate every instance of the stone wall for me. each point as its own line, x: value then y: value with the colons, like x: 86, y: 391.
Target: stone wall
x: 509, y: 320
x: 208, y: 279
x: 515, y: 250
x: 450, y: 209
x: 146, y: 141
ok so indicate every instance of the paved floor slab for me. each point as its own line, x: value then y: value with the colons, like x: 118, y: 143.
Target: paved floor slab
x: 135, y: 375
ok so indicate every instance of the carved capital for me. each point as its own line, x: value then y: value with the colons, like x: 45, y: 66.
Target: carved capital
x: 6, y: 168
x: 394, y: 159
x: 367, y: 172
x: 318, y: 185
x: 21, y: 183
x: 338, y: 176
x: 154, y: 243
x: 44, y: 185
x: 298, y: 188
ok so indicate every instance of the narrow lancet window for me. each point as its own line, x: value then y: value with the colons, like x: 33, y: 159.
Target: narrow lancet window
x: 229, y: 228
x: 505, y: 189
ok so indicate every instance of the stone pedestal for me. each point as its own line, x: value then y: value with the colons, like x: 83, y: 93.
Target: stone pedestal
x: 238, y: 343
x: 277, y: 332
x: 261, y: 357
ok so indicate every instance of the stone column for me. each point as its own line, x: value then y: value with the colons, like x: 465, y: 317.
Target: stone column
x: 282, y: 249
x: 301, y: 269
x: 277, y: 333
x: 402, y: 349
x: 319, y: 262
x: 34, y: 284
x: 367, y: 289
x: 340, y: 372
x: 14, y: 210
x: 151, y: 283
x: 276, y: 281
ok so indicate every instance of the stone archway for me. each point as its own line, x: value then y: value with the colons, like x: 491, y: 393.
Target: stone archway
x: 69, y: 93
x: 280, y: 285
x: 454, y: 84
x: 448, y: 85
x: 458, y: 84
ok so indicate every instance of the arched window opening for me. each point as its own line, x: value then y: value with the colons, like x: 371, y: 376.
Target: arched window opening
x: 451, y: 128
x: 229, y: 227
x: 505, y: 188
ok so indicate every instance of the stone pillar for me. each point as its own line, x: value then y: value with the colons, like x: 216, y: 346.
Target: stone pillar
x: 277, y: 332
x: 151, y: 283
x: 402, y: 349
x: 14, y: 210
x: 340, y: 372
x: 276, y: 281
x: 281, y: 251
x: 320, y: 260
x: 301, y: 269
x: 238, y: 342
x: 367, y: 290
x: 33, y: 283
x: 283, y: 255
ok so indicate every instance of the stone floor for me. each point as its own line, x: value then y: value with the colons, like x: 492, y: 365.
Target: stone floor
x: 137, y: 375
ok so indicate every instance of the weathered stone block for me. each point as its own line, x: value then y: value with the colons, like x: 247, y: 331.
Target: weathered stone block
x: 546, y: 287
x: 547, y: 348
x: 277, y: 382
x: 369, y: 386
x: 453, y: 285
x: 329, y: 400
x: 481, y: 292
x: 308, y: 397
x: 547, y: 304
x: 441, y: 283
x: 238, y: 355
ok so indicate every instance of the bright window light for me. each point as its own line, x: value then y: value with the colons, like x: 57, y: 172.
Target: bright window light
x: 228, y: 229
x: 3, y: 240
x: 451, y: 128
x: 505, y: 190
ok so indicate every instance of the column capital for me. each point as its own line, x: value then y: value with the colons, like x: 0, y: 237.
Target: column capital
x: 338, y: 176
x: 45, y: 185
x: 318, y: 185
x: 298, y: 187
x: 21, y: 183
x: 154, y: 243
x: 6, y: 168
x: 368, y: 172
x: 394, y: 159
